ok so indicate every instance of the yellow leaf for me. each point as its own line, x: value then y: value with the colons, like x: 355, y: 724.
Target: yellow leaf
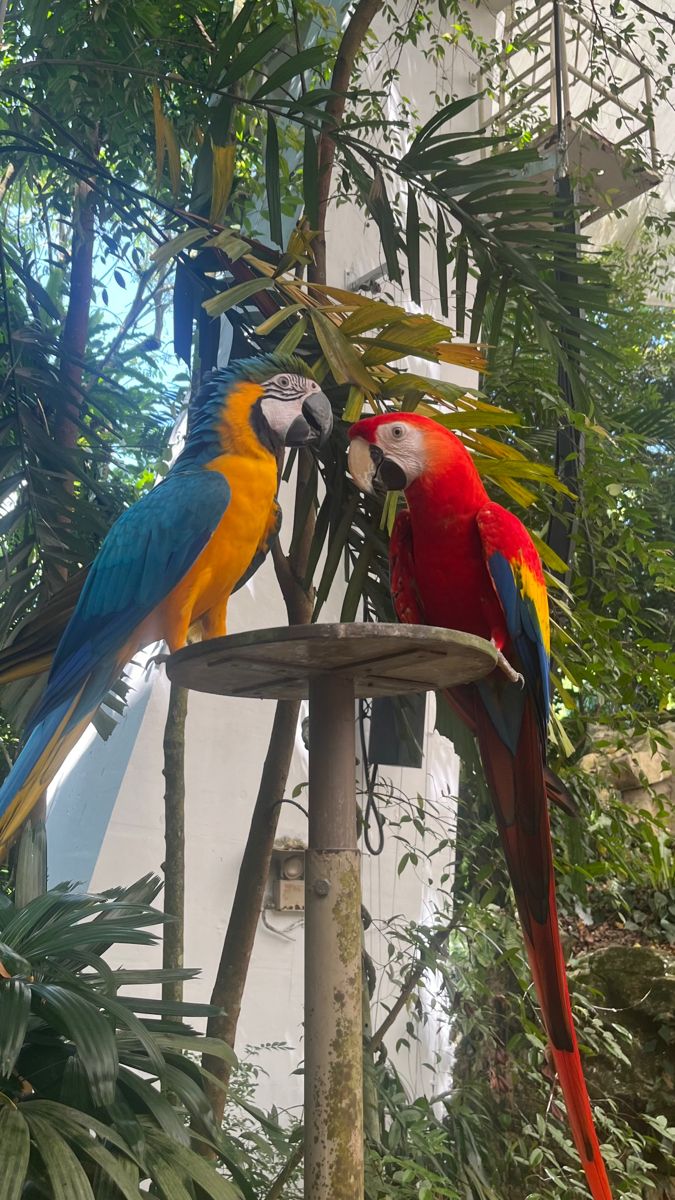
x: 160, y: 139
x: 354, y: 406
x: 461, y: 355
x: 173, y: 155
x: 166, y: 251
x: 223, y: 174
x: 549, y: 556
x: 368, y: 316
x: 234, y: 296
x: 228, y: 241
x: 467, y: 418
x: 340, y: 294
x: 389, y: 510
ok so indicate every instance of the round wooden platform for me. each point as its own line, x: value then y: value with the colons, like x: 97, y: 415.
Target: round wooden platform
x: 382, y: 660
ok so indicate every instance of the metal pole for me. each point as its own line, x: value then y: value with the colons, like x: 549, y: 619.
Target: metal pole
x: 333, y: 1017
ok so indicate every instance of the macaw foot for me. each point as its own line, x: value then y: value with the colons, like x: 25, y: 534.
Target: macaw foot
x: 510, y: 672
x: 156, y: 661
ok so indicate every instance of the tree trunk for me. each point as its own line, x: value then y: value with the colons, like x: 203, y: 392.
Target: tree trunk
x: 352, y: 40
x: 76, y: 327
x: 232, y: 970
x: 174, y: 836
x: 230, y: 981
x: 247, y: 906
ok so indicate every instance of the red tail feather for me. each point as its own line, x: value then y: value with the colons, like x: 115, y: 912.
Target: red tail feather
x: 518, y: 792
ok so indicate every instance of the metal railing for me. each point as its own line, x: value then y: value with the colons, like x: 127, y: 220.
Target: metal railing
x: 619, y: 93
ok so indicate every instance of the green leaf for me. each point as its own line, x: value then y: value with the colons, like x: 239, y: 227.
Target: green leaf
x: 498, y: 315
x: 313, y: 56
x: 439, y: 118
x: 236, y: 295
x: 253, y: 53
x: 32, y: 286
x: 290, y: 342
x: 87, y: 1028
x: 461, y: 272
x: 310, y: 179
x: 155, y: 1104
x: 67, y: 1178
x: 357, y: 579
x: 380, y: 207
x: 167, y: 1179
x: 121, y: 1172
x: 197, y: 1044
x: 120, y: 1010
x: 479, y: 300
x: 273, y: 181
x: 341, y: 356
x: 204, y: 1175
x: 230, y: 39
x: 14, y: 1152
x: 14, y: 1014
x: 412, y: 245
x: 277, y: 318
x: 442, y: 262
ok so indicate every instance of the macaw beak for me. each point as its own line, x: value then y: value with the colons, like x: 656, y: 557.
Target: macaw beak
x: 372, y: 471
x: 312, y: 427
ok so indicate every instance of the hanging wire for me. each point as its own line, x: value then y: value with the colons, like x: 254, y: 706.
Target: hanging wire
x: 371, y: 812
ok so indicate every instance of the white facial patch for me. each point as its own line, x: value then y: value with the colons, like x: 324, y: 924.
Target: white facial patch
x: 403, y: 444
x: 280, y: 414
x: 361, y: 466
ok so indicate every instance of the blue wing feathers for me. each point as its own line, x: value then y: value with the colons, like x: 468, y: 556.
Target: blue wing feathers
x: 523, y: 629
x: 145, y: 555
x: 37, y: 742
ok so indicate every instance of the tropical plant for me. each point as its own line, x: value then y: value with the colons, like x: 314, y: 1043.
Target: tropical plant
x: 97, y: 1082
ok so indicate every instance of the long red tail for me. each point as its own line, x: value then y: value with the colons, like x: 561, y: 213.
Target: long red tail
x: 518, y: 792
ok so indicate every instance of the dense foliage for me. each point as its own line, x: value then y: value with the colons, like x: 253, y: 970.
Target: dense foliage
x: 155, y: 160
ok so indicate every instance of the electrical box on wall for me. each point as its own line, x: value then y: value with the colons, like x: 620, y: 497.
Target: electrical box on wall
x: 287, y: 876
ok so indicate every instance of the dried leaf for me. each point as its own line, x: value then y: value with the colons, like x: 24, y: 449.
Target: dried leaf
x: 174, y: 156
x: 160, y: 138
x: 222, y: 175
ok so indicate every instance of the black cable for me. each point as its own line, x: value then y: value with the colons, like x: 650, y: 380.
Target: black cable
x: 371, y: 811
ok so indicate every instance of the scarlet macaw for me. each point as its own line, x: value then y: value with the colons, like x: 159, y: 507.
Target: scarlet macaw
x: 459, y: 561
x: 175, y: 557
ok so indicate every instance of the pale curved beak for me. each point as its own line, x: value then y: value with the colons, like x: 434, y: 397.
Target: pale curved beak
x: 372, y: 471
x: 360, y: 463
x: 312, y: 427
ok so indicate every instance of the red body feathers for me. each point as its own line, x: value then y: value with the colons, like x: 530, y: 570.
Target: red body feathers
x: 459, y: 561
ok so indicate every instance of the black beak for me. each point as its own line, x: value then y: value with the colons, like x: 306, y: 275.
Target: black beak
x: 314, y: 426
x: 388, y: 476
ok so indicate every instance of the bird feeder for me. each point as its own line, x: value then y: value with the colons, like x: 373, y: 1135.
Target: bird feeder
x: 333, y: 665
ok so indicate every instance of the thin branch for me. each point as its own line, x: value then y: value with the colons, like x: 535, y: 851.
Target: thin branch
x: 292, y: 1162
x: 660, y: 16
x: 352, y: 40
x: 436, y: 941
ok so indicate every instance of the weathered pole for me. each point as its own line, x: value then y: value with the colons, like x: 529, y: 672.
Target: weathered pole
x: 334, y: 664
x: 333, y: 1012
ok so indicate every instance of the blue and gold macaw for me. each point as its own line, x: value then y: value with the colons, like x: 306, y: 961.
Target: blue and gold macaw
x: 174, y: 558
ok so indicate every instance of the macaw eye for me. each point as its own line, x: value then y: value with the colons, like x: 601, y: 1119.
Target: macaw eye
x: 284, y: 381
x: 398, y: 431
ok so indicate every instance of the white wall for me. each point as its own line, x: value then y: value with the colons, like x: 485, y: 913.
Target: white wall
x: 226, y: 742
x: 106, y: 821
